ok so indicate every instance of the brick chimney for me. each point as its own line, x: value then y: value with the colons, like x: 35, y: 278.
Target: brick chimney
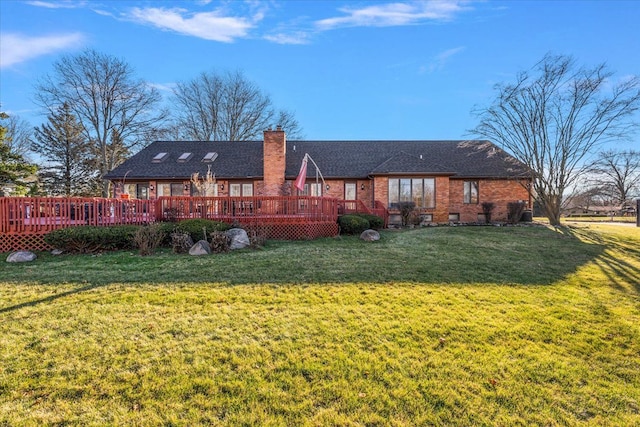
x: 274, y: 161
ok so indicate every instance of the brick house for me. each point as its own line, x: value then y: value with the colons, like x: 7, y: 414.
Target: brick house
x: 448, y: 180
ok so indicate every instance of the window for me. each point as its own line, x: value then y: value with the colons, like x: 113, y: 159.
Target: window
x: 142, y: 192
x: 244, y: 189
x: 130, y: 189
x: 173, y: 189
x: 350, y: 191
x: 210, y: 157
x: 160, y: 157
x: 313, y: 190
x: 471, y: 192
x: 421, y: 191
x: 177, y: 189
x: 184, y: 157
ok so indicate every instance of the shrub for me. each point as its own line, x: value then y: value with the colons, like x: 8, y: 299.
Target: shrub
x: 258, y: 236
x: 200, y: 229
x: 375, y: 221
x: 407, y: 212
x: 88, y: 239
x: 181, y: 242
x: 148, y: 238
x: 219, y: 242
x: 352, y: 224
x: 487, y: 210
x: 515, y: 211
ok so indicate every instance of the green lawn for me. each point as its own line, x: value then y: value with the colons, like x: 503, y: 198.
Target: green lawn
x: 435, y: 326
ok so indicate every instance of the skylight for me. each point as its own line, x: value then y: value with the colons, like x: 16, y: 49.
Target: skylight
x: 159, y: 157
x: 184, y: 157
x: 210, y: 157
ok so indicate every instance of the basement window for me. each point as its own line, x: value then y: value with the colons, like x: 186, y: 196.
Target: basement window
x: 184, y: 157
x: 210, y: 157
x: 160, y: 157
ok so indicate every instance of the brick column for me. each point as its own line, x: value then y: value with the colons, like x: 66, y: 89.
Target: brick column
x: 274, y: 161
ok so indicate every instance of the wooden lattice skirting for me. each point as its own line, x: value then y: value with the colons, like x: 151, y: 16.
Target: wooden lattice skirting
x: 296, y: 231
x: 277, y: 231
x: 27, y: 242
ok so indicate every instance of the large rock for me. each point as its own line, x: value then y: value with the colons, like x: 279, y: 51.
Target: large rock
x: 239, y: 238
x: 201, y: 247
x: 370, y: 235
x: 21, y: 256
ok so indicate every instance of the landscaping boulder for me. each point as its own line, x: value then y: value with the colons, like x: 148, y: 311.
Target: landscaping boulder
x: 200, y: 248
x: 21, y: 256
x: 239, y: 238
x: 56, y: 252
x: 370, y: 235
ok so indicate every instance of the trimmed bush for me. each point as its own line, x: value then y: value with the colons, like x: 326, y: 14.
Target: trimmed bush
x: 148, y: 238
x: 515, y: 211
x: 181, y: 242
x: 89, y: 239
x: 407, y: 212
x: 219, y: 242
x: 375, y: 221
x: 487, y: 210
x: 352, y: 224
x: 200, y: 229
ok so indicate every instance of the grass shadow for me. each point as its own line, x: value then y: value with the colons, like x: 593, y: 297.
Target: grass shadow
x: 434, y: 255
x: 50, y: 298
x: 614, y: 262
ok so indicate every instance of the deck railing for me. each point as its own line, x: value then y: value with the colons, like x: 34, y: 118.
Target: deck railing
x: 42, y: 214
x: 246, y: 209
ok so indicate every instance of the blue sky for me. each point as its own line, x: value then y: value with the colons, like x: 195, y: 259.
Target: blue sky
x: 348, y: 69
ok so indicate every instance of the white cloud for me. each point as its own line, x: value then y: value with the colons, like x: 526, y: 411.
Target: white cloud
x: 205, y: 25
x: 395, y: 14
x: 163, y: 87
x: 292, y: 38
x: 67, y: 4
x: 441, y: 59
x: 17, y: 48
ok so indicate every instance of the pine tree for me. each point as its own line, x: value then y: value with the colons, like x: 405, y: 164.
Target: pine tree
x: 62, y: 142
x: 14, y: 169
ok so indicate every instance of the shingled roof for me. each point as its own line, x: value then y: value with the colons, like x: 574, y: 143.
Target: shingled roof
x: 336, y: 159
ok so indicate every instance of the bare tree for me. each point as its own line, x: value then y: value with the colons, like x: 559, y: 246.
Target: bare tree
x: 108, y: 100
x: 620, y: 172
x: 64, y: 144
x: 554, y: 117
x: 18, y: 135
x: 227, y: 107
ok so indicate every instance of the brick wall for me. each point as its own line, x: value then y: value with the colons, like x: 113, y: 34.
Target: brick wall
x: 499, y: 192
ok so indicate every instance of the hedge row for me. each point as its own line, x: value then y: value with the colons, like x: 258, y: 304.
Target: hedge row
x: 88, y: 239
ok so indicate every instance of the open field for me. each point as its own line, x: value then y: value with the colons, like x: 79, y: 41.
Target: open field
x: 435, y: 326
x: 603, y: 219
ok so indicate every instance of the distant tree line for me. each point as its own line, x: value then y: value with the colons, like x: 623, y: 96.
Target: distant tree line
x: 554, y: 118
x: 99, y: 113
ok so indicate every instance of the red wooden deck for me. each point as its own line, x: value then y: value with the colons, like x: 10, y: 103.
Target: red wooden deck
x: 24, y: 220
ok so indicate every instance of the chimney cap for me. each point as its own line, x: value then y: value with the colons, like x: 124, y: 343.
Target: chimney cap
x: 278, y: 127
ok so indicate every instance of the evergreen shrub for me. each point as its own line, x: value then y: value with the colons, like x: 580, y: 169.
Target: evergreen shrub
x: 352, y: 224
